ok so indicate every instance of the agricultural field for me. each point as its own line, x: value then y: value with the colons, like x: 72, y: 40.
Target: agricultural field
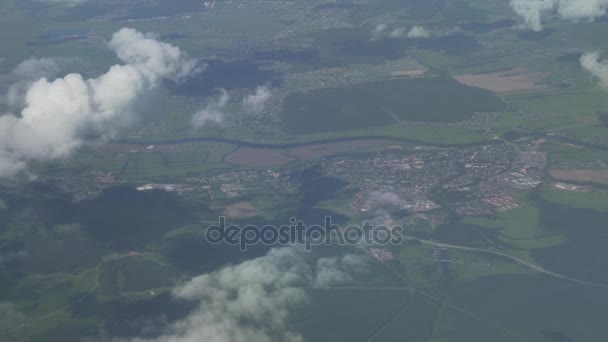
x: 472, y: 133
x: 385, y: 103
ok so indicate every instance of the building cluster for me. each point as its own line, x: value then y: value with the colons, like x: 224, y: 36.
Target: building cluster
x: 240, y: 183
x: 470, y: 181
x: 178, y: 188
x: 72, y: 184
x: 381, y: 254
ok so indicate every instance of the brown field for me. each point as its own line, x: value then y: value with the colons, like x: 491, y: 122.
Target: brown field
x: 251, y: 156
x: 414, y: 72
x: 513, y: 80
x: 237, y: 210
x: 324, y: 150
x: 592, y: 175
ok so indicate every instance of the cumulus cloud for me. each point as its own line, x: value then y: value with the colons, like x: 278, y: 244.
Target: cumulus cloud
x: 255, y: 103
x: 34, y: 68
x: 332, y: 271
x: 398, y: 33
x: 154, y: 58
x: 418, y: 32
x: 61, y: 115
x: 213, y: 111
x: 251, y: 302
x: 582, y: 9
x: 378, y: 31
x: 382, y: 203
x: 532, y: 11
x: 380, y: 28
x: 26, y: 73
x: 383, y: 199
x: 592, y: 63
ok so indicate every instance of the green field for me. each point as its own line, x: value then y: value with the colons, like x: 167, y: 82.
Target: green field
x: 559, y: 154
x: 86, y: 257
x: 585, y: 200
x: 433, y: 99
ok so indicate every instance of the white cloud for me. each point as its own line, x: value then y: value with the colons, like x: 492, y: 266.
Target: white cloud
x: 332, y: 271
x: 582, y: 9
x: 418, y: 32
x: 533, y: 11
x: 597, y: 67
x: 145, y: 51
x: 34, y: 68
x: 61, y: 115
x: 380, y: 28
x: 26, y: 73
x: 213, y: 112
x: 251, y: 302
x: 398, y: 33
x: 378, y: 31
x: 255, y: 103
x: 383, y: 199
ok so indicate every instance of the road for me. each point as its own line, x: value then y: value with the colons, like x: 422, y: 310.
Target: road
x: 507, y: 256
